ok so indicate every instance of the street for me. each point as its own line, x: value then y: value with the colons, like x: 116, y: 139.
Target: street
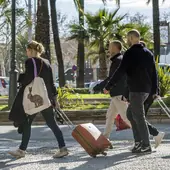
x: 43, y: 145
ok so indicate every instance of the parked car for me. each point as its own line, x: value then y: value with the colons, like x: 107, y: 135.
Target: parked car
x: 92, y: 85
x: 87, y: 85
x: 56, y: 84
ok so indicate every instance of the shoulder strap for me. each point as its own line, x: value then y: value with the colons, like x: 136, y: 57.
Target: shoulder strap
x: 40, y: 68
x: 35, y: 67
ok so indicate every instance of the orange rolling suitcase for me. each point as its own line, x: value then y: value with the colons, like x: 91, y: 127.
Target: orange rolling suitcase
x: 88, y: 136
x: 91, y: 139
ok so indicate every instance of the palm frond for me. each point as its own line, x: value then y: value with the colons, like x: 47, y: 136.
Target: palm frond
x: 117, y: 2
x: 92, y: 53
x: 95, y: 59
x: 76, y: 3
x: 79, y: 6
x: 148, y: 1
x: 94, y: 43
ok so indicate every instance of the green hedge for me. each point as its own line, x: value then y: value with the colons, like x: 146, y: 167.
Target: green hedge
x: 77, y: 90
x: 81, y: 90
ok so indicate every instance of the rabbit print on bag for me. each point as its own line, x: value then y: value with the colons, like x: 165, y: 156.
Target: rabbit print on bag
x: 36, y: 99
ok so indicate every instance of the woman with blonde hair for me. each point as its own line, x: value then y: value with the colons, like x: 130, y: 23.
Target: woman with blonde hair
x: 17, y: 114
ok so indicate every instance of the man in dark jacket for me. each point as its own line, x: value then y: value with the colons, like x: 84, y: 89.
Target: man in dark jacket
x: 157, y: 135
x: 139, y: 66
x: 117, y: 105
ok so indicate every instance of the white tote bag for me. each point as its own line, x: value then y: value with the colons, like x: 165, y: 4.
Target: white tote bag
x: 35, y: 98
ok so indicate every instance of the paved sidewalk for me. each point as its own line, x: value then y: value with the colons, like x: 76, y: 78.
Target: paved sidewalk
x: 43, y: 145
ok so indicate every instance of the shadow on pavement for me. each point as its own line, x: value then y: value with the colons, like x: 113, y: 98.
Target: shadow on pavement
x: 166, y: 157
x: 90, y: 163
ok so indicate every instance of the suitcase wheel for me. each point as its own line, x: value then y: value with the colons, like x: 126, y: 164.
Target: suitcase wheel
x: 111, y: 146
x: 93, y: 156
x: 104, y: 153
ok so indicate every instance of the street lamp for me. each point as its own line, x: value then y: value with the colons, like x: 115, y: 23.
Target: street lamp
x: 13, y: 71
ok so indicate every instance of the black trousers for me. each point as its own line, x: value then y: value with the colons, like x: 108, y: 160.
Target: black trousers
x: 148, y: 102
x: 48, y: 115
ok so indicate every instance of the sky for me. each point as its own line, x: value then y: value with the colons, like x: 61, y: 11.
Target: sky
x: 127, y: 6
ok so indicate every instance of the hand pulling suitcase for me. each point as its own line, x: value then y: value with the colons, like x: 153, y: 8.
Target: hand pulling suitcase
x: 163, y: 106
x: 88, y: 136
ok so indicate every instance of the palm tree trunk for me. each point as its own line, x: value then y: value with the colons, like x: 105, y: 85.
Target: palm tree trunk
x: 102, y: 62
x: 81, y: 51
x: 42, y: 30
x: 57, y: 43
x: 156, y: 28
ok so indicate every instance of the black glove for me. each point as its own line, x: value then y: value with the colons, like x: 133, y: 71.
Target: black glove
x: 58, y: 116
x: 55, y: 102
x: 96, y: 88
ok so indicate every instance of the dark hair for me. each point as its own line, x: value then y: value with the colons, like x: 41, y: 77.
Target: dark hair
x: 134, y: 32
x: 118, y: 44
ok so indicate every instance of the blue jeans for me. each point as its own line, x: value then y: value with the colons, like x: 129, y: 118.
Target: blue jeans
x: 48, y: 115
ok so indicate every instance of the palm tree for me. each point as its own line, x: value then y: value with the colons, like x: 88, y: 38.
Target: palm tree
x: 3, y: 3
x: 144, y: 29
x: 21, y: 42
x: 22, y: 22
x: 42, y: 30
x: 81, y: 50
x: 100, y: 28
x: 156, y: 26
x: 57, y: 43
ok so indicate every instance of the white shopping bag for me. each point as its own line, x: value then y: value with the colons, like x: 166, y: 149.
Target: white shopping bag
x: 35, y: 97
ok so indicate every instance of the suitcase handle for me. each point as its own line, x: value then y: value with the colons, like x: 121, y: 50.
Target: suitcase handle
x: 65, y: 118
x: 164, y: 106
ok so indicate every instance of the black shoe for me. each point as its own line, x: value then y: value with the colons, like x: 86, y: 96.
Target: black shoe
x: 137, y: 147
x: 143, y: 149
x: 146, y: 149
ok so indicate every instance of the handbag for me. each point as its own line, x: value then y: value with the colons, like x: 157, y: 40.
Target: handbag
x: 120, y: 123
x: 35, y: 97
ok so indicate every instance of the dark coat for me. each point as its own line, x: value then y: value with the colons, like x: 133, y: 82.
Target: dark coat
x: 17, y: 114
x: 119, y: 87
x: 139, y: 66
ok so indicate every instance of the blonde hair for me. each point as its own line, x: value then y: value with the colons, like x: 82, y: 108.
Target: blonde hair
x: 34, y: 45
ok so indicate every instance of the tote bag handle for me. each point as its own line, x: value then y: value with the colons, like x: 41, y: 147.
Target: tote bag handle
x: 35, y: 68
